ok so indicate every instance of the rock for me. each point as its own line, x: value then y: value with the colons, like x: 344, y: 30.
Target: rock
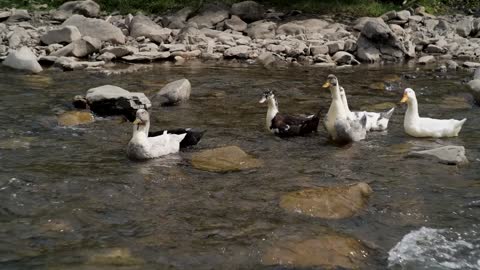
x: 335, y: 46
x: 291, y: 29
x: 316, y: 50
x: 328, y: 202
x: 452, y: 65
x: 75, y: 118
x: 248, y: 11
x: 403, y: 15
x: 366, y: 50
x: 476, y: 74
x: 377, y: 30
x: 469, y: 64
x: 23, y: 59
x: 87, y: 8
x: 191, y: 35
x: 261, y: 30
x: 69, y: 63
x: 117, y: 257
x: 236, y: 24
x: 96, y: 28
x: 143, y: 26
x: 119, y: 51
x: 18, y: 15
x: 110, y: 100
x: 464, y: 27
x: 426, y: 59
x: 435, y: 49
x: 450, y: 155
x: 186, y: 55
x: 266, y: 59
x: 389, y: 15
x: 224, y: 159
x: 377, y: 86
x: 330, y: 251
x: 65, y: 34
x: 360, y: 22
x: 313, y: 26
x: 146, y: 56
x: 18, y: 37
x: 209, y: 15
x: 344, y: 58
x: 106, y: 56
x: 179, y: 19
x: 242, y: 51
x: 475, y: 87
x: 350, y: 45
x: 176, y: 91
x: 79, y: 48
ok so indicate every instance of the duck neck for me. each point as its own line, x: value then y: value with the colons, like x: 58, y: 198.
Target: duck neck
x: 272, y: 111
x: 345, y: 102
x: 141, y: 131
x: 412, y: 109
x: 337, y: 107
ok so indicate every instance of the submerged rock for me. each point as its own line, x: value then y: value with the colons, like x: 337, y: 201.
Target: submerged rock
x: 450, y: 155
x: 23, y: 59
x: 224, y: 159
x: 176, y: 91
x: 332, y: 251
x: 114, y: 256
x: 75, y: 118
x: 16, y: 143
x: 328, y: 202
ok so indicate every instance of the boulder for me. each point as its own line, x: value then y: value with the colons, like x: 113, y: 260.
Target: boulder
x: 475, y: 87
x: 328, y: 202
x: 435, y: 49
x: 261, y: 30
x: 87, y: 8
x: 377, y: 30
x: 80, y: 48
x: 452, y: 65
x: 242, y: 51
x: 143, y: 26
x: 18, y: 15
x: 71, y: 63
x: 75, y: 118
x: 96, y: 28
x: 236, y: 24
x: 329, y: 251
x: 359, y: 24
x: 179, y: 19
x: 291, y: 29
x: 248, y: 11
x: 23, y: 59
x: 450, y: 155
x: 469, y: 64
x: 191, y: 35
x: 18, y: 38
x: 109, y: 100
x: 106, y: 56
x: 313, y: 26
x: 209, y: 15
x: 335, y: 46
x: 176, y: 91
x: 344, y: 58
x: 427, y: 59
x: 224, y: 159
x: 146, y: 56
x: 316, y: 50
x: 366, y: 50
x: 65, y: 34
x: 465, y: 26
x: 266, y: 59
x: 119, y: 51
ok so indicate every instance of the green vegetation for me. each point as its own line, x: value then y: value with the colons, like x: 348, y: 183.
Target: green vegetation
x: 352, y: 7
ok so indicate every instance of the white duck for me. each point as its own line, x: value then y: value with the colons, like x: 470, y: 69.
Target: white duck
x: 340, y: 126
x: 417, y: 126
x: 375, y: 121
x: 143, y: 147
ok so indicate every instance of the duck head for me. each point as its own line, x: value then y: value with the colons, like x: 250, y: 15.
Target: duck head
x: 408, y: 94
x: 267, y: 95
x: 332, y: 81
x: 142, y: 118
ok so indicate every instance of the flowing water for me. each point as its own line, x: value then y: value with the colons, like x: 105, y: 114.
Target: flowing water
x: 70, y: 194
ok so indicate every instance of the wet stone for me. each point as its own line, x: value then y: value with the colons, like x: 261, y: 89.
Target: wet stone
x: 75, y: 118
x: 328, y: 202
x: 114, y: 256
x: 224, y: 159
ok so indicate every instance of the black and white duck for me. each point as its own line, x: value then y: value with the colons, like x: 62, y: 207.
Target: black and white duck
x: 145, y: 145
x: 340, y: 126
x: 285, y: 125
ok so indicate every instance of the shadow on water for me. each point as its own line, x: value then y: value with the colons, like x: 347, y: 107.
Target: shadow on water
x: 70, y: 195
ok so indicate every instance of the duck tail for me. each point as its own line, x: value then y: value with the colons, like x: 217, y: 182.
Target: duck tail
x: 388, y: 113
x: 363, y: 121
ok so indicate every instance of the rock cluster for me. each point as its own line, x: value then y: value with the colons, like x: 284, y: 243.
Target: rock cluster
x: 244, y: 30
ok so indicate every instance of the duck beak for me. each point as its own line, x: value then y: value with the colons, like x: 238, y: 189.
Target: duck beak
x: 404, y: 98
x: 326, y: 84
x: 137, y: 121
x: 262, y: 100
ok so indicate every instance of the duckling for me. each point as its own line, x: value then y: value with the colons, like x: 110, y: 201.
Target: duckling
x: 417, y: 126
x: 339, y: 124
x: 142, y: 147
x: 285, y: 125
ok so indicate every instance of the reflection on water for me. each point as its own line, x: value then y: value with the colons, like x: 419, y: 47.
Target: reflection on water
x: 71, y: 199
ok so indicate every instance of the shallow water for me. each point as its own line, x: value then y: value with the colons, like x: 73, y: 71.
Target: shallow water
x: 70, y: 193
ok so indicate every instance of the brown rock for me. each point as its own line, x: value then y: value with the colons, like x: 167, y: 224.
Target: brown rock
x: 224, y: 159
x: 75, y: 118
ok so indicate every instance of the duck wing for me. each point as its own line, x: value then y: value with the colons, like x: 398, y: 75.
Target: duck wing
x: 294, y: 125
x: 192, y: 136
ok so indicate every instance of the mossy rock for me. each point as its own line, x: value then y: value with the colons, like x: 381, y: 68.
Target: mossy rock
x: 224, y: 159
x: 328, y: 202
x: 331, y: 251
x: 75, y: 118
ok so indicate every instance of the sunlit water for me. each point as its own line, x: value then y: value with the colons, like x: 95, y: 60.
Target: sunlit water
x: 70, y: 193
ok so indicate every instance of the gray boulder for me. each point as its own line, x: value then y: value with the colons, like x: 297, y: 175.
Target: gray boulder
x: 435, y: 49
x: 291, y: 29
x: 142, y: 25
x: 87, y: 8
x: 248, y: 11
x: 451, y: 155
x: 465, y: 26
x: 96, y: 28
x: 65, y: 34
x: 236, y: 24
x: 471, y: 65
x: 344, y: 58
x: 427, y: 59
x: 377, y: 30
x: 242, y: 51
x: 210, y: 15
x: 80, y: 48
x: 316, y: 50
x: 109, y: 100
x: 18, y: 37
x: 261, y: 30
x: 23, y: 59
x: 191, y: 35
x: 367, y: 51
x: 70, y: 63
x: 176, y: 91
x: 18, y: 15
x: 119, y: 51
x: 179, y: 19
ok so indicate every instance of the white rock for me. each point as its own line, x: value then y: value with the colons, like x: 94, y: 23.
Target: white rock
x: 23, y: 59
x: 65, y: 34
x: 176, y: 91
x: 96, y: 28
x: 451, y: 155
x: 426, y: 59
x: 142, y: 25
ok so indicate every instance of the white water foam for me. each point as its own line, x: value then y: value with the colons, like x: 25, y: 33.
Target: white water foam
x: 436, y: 249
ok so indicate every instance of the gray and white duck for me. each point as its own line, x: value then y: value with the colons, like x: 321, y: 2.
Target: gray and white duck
x: 339, y: 124
x: 147, y: 145
x: 285, y: 125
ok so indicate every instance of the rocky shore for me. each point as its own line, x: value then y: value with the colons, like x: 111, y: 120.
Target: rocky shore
x: 79, y: 35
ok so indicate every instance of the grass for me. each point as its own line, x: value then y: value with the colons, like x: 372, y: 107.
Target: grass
x: 351, y: 7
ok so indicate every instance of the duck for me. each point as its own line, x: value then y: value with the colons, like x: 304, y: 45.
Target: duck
x: 376, y: 121
x: 192, y: 138
x: 142, y: 147
x: 284, y: 125
x: 341, y: 126
x: 417, y: 126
